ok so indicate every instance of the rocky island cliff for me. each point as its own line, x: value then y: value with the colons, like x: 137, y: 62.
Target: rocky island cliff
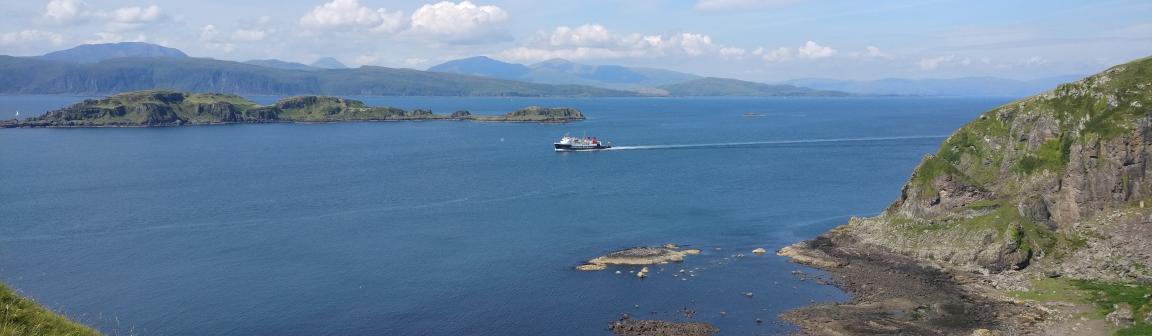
x: 1035, y: 218
x: 168, y: 108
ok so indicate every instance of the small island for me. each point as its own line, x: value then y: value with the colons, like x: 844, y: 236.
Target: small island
x: 169, y: 108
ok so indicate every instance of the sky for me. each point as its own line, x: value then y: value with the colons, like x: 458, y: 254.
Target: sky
x: 759, y: 40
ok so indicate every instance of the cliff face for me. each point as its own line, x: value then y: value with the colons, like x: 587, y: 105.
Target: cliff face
x: 1056, y: 181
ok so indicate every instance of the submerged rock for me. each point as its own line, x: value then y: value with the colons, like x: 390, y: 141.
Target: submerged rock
x: 759, y: 250
x: 691, y: 251
x: 592, y: 267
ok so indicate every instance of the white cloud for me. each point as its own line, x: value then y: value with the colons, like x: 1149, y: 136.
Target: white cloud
x: 592, y: 41
x: 365, y: 60
x: 732, y: 53
x: 589, y: 35
x: 810, y: 50
x: 462, y: 22
x: 813, y: 50
x: 1035, y: 60
x: 30, y: 37
x: 65, y: 11
x: 350, y: 15
x: 212, y: 38
x: 696, y: 44
x: 578, y: 53
x: 415, y: 61
x: 248, y: 35
x: 136, y: 14
x: 76, y: 12
x: 874, y: 52
x: 775, y: 55
x: 733, y: 5
x: 109, y: 37
x: 930, y: 64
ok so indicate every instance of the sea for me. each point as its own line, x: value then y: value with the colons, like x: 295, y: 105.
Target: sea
x: 450, y: 227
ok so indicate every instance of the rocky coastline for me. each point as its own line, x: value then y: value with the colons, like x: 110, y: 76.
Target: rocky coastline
x: 1030, y: 220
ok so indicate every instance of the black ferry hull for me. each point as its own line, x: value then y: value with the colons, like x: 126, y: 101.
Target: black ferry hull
x: 568, y: 147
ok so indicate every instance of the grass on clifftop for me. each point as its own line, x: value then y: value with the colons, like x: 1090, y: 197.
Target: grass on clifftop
x: 1102, y: 294
x: 20, y: 316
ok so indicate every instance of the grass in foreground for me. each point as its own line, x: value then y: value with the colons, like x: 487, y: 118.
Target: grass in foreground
x: 20, y: 316
x: 1104, y: 295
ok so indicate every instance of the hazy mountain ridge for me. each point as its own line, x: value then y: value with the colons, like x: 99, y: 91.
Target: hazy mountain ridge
x: 966, y: 86
x: 715, y: 87
x: 92, y: 53
x: 560, y: 71
x: 278, y: 64
x: 26, y: 75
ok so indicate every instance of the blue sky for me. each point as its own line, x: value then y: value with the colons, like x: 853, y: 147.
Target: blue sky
x: 762, y: 40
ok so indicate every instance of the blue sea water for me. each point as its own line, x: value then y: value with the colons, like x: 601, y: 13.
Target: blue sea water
x: 448, y: 228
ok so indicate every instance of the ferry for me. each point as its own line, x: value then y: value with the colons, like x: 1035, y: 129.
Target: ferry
x: 571, y: 143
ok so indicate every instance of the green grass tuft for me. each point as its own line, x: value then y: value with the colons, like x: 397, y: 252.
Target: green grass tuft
x: 20, y: 316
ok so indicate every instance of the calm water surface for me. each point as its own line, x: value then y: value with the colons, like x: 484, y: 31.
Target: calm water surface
x: 447, y: 228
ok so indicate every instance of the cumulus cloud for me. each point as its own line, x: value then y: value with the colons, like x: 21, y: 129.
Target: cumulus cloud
x: 136, y: 14
x: 248, y: 35
x: 462, y: 22
x: 216, y: 39
x: 66, y: 11
x: 696, y: 44
x: 589, y: 35
x: 76, y: 12
x: 1035, y: 60
x: 349, y: 15
x: 774, y: 55
x: 874, y: 52
x: 812, y: 50
x: 732, y: 53
x: 111, y: 37
x: 932, y: 63
x: 733, y: 5
x: 25, y: 37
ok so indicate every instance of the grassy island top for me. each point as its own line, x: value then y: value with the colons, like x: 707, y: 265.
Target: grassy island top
x: 169, y: 108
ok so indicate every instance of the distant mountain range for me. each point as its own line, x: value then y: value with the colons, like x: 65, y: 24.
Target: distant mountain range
x: 715, y: 87
x: 33, y: 75
x: 328, y: 63
x: 968, y: 86
x: 320, y: 64
x: 130, y: 66
x: 92, y: 53
x: 559, y: 71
